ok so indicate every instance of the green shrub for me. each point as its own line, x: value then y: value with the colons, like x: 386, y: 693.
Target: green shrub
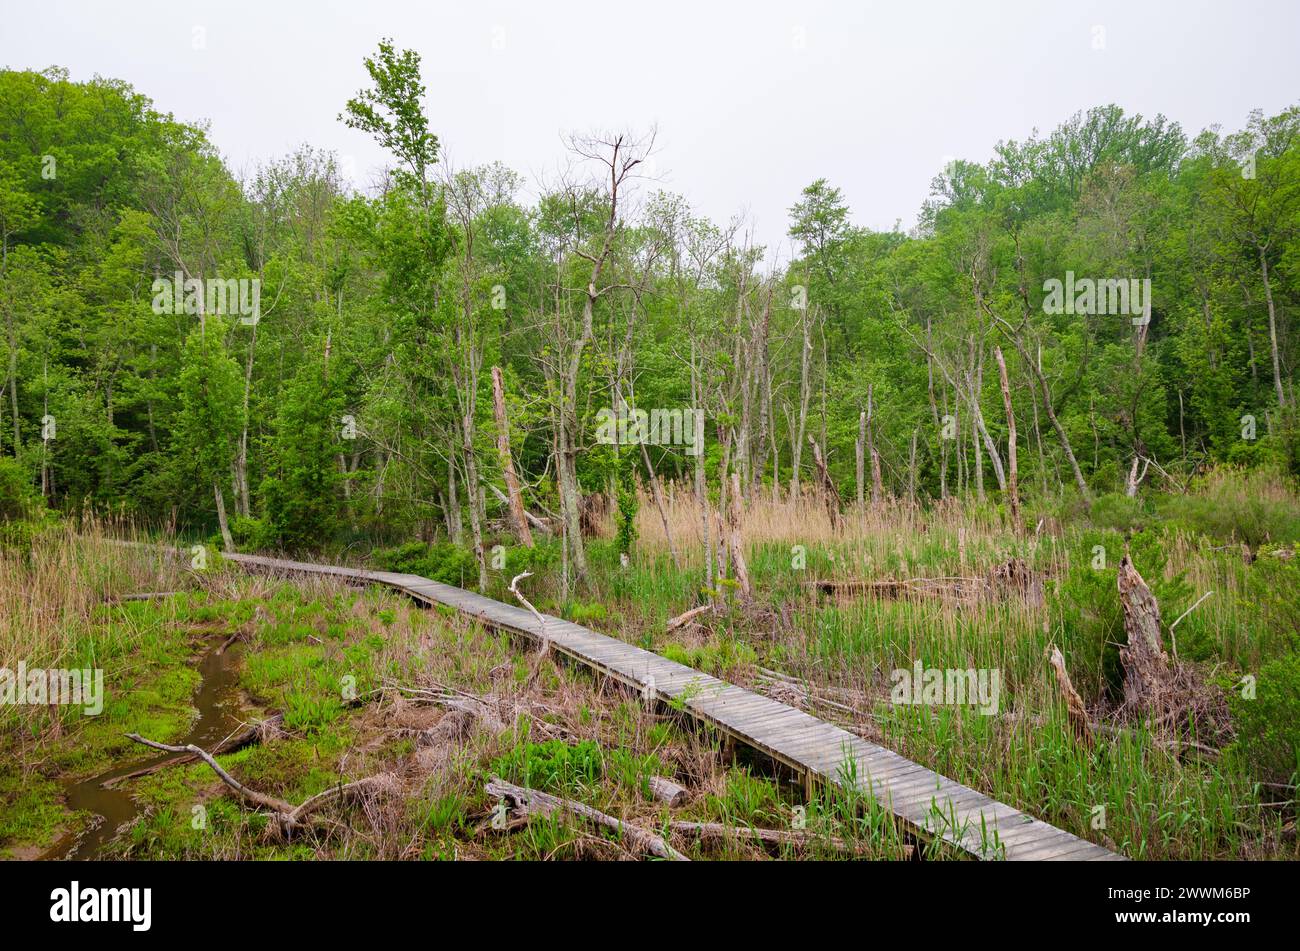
x: 544, y: 554
x: 251, y: 534
x: 22, y: 510
x: 1266, y: 452
x: 716, y: 658
x: 1268, y: 726
x: 580, y: 613
x: 404, y: 558
x: 442, y: 561
x: 554, y: 765
x: 1273, y: 617
x: 1252, y: 506
x: 310, y: 712
x: 633, y: 770
x: 18, y: 497
x: 627, y: 504
x: 1118, y: 512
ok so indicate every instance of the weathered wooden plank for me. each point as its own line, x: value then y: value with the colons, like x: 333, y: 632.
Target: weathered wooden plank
x: 1061, y: 845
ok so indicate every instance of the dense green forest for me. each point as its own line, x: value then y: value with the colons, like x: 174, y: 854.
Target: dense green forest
x: 348, y: 394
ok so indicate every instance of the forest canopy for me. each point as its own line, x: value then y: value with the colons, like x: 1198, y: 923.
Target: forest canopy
x: 321, y: 367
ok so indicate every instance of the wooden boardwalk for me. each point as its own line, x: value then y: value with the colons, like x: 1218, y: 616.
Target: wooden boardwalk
x: 930, y: 804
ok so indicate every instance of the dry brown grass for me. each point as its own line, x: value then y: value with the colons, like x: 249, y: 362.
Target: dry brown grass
x: 47, y: 596
x: 893, y: 532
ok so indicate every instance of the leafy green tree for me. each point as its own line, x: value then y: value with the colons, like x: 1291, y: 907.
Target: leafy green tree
x: 303, y: 499
x: 208, y: 419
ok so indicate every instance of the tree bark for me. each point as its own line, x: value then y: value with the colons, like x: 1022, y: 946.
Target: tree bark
x: 934, y: 412
x: 739, y: 568
x: 1036, y: 370
x: 911, y: 469
x: 1045, y: 394
x: 804, y: 393
x: 242, y: 493
x: 1146, y: 666
x: 1013, y: 474
x: 859, y: 454
x: 13, y: 378
x: 1078, y: 714
x: 517, y: 513
x: 1272, y: 330
x: 829, y: 492
x: 877, y: 483
x: 667, y: 791
x: 454, y: 525
x: 701, y: 488
x: 657, y: 494
x: 226, y: 538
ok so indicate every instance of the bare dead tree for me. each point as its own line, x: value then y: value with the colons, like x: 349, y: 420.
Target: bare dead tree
x: 616, y: 156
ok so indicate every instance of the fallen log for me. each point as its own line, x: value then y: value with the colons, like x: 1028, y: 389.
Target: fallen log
x: 687, y: 617
x: 895, y: 588
x: 528, y: 802
x: 665, y: 790
x: 1010, y: 579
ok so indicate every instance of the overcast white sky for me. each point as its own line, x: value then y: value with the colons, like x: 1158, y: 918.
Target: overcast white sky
x: 752, y: 100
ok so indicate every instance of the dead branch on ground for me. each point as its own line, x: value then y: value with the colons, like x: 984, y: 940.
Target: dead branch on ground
x: 286, y: 817
x: 528, y: 802
x: 259, y: 731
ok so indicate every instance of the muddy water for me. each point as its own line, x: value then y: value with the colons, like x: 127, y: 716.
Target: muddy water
x: 218, y: 704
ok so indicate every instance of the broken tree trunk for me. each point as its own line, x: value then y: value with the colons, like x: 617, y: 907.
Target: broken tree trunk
x: 1146, y: 665
x: 507, y: 463
x: 1073, y: 702
x: 738, y: 566
x: 911, y: 469
x: 533, y: 802
x: 541, y: 621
